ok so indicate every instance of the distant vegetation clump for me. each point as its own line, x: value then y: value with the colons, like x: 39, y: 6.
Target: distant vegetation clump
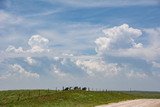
x: 74, y: 88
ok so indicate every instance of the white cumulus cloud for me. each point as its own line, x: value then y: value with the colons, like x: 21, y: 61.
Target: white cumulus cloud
x: 37, y: 40
x: 38, y: 43
x: 93, y: 67
x: 18, y: 70
x: 57, y: 72
x: 150, y: 52
x: 102, y: 44
x: 13, y: 49
x: 30, y: 61
x: 138, y: 45
x: 133, y: 74
x: 117, y: 37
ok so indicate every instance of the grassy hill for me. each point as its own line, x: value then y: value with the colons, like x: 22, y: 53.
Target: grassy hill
x: 51, y: 98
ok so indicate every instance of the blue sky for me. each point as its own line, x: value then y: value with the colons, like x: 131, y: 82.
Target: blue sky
x: 103, y: 44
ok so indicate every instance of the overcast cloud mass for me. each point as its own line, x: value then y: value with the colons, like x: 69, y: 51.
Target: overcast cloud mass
x: 102, y: 44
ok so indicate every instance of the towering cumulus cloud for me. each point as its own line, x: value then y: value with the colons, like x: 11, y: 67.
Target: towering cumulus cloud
x: 38, y: 43
x: 117, y: 37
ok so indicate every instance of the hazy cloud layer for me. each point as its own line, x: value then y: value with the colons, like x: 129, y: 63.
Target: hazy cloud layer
x: 71, y: 51
x: 106, y: 3
x: 119, y: 41
x: 110, y: 44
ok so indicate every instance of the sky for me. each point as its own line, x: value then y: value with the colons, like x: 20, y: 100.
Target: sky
x: 101, y: 44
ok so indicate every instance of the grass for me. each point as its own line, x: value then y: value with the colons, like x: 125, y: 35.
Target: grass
x: 51, y: 98
x: 145, y: 94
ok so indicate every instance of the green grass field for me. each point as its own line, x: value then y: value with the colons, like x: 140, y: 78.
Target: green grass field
x: 51, y: 98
